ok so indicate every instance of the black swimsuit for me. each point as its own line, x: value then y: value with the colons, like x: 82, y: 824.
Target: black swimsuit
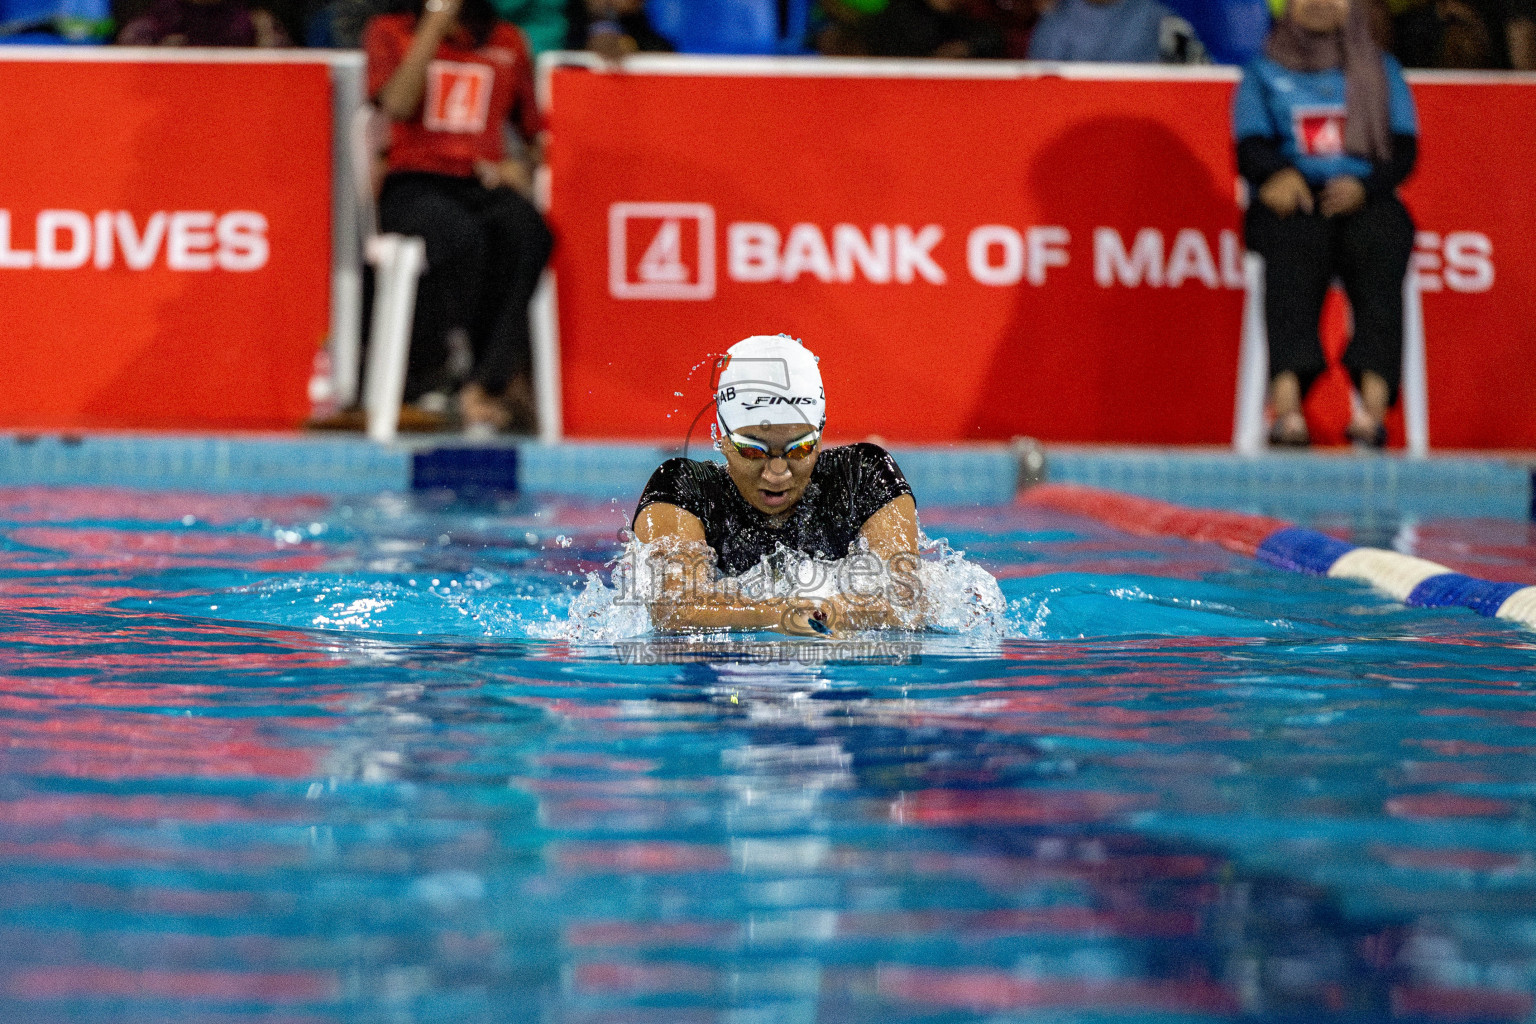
x: 848, y: 485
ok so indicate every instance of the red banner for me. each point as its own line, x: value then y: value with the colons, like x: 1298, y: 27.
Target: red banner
x: 164, y: 242
x: 980, y: 258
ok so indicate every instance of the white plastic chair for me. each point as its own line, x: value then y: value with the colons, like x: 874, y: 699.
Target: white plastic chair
x: 398, y: 262
x: 1253, y: 366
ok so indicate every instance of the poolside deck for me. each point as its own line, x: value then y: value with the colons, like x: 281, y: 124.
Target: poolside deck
x: 1293, y: 485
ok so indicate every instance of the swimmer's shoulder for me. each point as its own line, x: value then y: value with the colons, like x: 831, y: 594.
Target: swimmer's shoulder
x: 687, y: 483
x: 868, y: 467
x: 868, y: 451
x: 859, y: 454
x: 679, y: 468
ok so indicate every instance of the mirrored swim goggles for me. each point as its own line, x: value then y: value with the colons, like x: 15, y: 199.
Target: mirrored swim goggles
x: 756, y: 451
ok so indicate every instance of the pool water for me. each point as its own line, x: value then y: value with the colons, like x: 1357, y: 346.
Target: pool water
x: 299, y: 760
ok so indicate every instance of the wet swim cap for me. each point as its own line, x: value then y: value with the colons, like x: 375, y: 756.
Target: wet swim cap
x: 769, y: 380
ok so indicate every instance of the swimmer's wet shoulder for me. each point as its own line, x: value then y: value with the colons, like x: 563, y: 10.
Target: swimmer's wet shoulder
x: 847, y: 487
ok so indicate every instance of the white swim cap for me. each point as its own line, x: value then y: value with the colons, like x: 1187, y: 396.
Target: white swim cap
x: 768, y: 380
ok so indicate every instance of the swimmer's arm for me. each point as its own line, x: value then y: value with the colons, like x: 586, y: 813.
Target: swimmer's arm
x: 691, y: 596
x: 891, y: 533
x: 893, y: 529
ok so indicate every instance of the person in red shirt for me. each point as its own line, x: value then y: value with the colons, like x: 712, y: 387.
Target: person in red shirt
x: 450, y: 77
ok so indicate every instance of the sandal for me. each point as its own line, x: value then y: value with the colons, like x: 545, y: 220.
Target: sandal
x: 1367, y: 438
x: 1293, y: 436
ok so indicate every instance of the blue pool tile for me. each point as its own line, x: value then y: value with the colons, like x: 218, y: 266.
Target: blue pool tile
x: 592, y: 470
x: 1305, y: 486
x: 1301, y: 487
x: 263, y: 463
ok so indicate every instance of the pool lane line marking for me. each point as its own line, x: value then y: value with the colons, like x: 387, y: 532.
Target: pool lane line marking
x: 1416, y: 582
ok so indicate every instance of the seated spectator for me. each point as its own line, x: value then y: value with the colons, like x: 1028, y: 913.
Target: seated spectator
x: 1015, y: 19
x: 203, y: 23
x: 1118, y: 31
x: 349, y: 18
x: 340, y: 23
x: 916, y: 28
x: 450, y: 76
x: 542, y: 21
x: 612, y: 29
x: 1326, y: 131
x: 1497, y: 34
x: 1520, y: 33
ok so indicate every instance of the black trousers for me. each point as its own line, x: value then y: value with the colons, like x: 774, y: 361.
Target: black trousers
x: 485, y: 251
x: 1368, y: 251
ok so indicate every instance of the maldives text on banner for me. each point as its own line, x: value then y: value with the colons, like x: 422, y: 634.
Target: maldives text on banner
x: 980, y: 258
x: 164, y: 242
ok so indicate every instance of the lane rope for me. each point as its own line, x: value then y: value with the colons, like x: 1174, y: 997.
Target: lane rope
x: 1416, y: 582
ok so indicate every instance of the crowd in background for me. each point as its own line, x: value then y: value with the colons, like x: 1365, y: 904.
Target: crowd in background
x: 1324, y: 126
x: 1464, y: 34
x: 612, y: 27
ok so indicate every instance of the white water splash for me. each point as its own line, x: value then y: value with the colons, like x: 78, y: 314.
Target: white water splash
x: 956, y: 596
x: 961, y: 596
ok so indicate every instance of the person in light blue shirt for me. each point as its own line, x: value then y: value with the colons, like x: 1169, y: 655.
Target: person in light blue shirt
x: 1326, y: 131
x: 1116, y: 31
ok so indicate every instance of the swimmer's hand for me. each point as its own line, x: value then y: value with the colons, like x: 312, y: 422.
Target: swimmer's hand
x: 810, y: 617
x: 838, y: 615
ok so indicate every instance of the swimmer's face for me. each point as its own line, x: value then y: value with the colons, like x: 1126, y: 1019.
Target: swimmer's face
x: 1320, y: 16
x: 771, y: 485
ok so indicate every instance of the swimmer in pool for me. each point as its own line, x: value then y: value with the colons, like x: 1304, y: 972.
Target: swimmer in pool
x: 778, y: 488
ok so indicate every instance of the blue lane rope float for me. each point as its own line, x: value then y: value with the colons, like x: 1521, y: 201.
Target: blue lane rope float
x: 1416, y: 582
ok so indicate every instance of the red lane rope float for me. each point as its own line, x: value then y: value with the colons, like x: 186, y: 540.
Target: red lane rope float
x: 1147, y: 517
x: 1416, y: 582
